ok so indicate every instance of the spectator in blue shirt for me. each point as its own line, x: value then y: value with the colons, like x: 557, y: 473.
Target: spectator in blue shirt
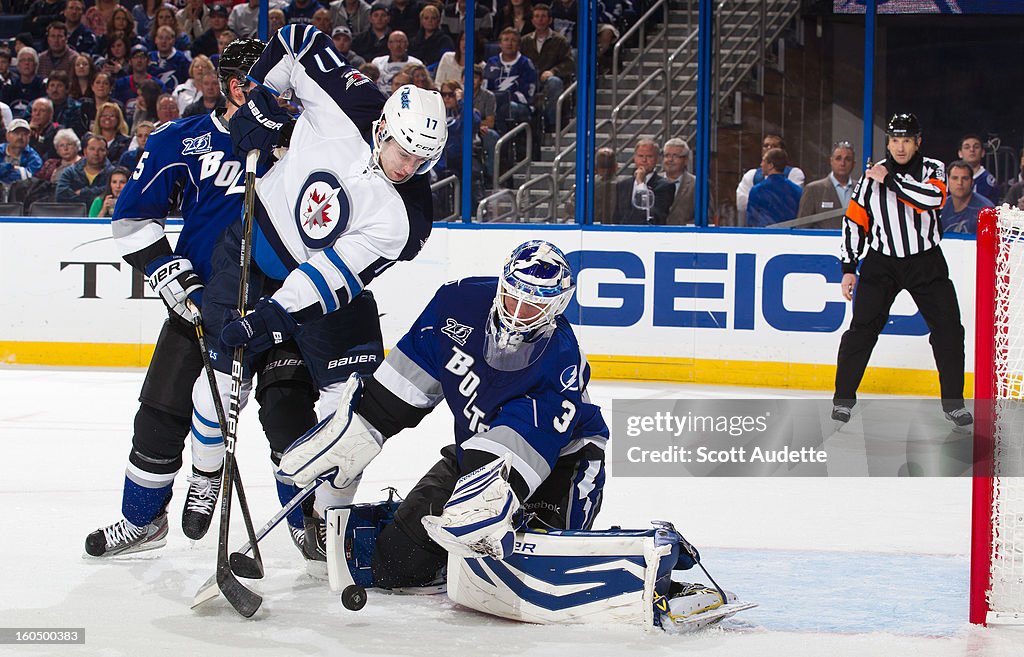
x: 512, y: 78
x: 18, y: 160
x: 166, y: 63
x: 960, y: 213
x: 25, y: 85
x: 972, y: 152
x: 775, y: 198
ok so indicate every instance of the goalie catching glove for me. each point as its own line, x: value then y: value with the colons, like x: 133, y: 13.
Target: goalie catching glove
x: 480, y: 518
x: 174, y: 280
x: 342, y: 442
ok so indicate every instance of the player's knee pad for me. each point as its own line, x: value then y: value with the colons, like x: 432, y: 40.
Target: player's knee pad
x: 574, y: 576
x: 159, y: 440
x: 287, y: 410
x: 352, y: 532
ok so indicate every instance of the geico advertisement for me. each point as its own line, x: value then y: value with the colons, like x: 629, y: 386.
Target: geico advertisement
x: 745, y: 295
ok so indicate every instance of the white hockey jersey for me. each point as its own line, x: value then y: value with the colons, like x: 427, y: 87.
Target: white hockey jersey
x: 325, y: 223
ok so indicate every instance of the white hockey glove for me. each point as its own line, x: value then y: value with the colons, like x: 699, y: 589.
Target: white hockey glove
x: 342, y: 442
x: 173, y: 279
x: 479, y: 519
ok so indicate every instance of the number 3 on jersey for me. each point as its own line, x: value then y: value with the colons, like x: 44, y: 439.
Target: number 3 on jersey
x: 562, y: 423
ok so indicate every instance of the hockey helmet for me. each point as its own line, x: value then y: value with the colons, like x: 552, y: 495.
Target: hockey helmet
x: 236, y: 60
x: 903, y: 124
x: 415, y: 119
x: 535, y: 287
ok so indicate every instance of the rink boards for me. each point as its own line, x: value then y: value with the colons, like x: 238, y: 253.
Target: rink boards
x: 718, y: 305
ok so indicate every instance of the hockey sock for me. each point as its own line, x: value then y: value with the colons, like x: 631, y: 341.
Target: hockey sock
x: 141, y: 504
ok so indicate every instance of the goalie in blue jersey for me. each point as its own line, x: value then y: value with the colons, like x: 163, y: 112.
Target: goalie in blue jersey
x: 528, y: 453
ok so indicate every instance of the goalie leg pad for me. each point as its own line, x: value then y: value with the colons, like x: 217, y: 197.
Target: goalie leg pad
x: 616, y: 576
x: 352, y: 532
x: 342, y: 442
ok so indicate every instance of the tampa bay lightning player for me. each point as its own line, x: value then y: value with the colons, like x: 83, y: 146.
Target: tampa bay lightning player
x: 505, y: 359
x: 529, y: 447
x: 190, y: 159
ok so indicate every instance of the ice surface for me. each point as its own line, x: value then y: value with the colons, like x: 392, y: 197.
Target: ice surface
x: 839, y: 566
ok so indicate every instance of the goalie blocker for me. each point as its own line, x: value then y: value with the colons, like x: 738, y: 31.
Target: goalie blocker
x: 552, y: 577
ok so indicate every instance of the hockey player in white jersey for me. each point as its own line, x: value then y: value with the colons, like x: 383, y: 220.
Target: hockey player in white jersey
x: 347, y: 200
x: 528, y: 453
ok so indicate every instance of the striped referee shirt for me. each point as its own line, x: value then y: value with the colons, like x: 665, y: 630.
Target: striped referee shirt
x: 898, y: 218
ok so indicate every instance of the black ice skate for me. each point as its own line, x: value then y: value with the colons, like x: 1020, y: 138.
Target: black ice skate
x: 203, y: 489
x: 123, y: 537
x: 961, y: 417
x: 314, y: 547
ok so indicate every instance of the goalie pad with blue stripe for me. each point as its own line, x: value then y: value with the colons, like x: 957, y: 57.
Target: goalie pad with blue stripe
x: 574, y: 576
x: 352, y: 532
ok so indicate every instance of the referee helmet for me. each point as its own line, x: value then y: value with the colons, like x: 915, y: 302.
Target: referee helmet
x: 903, y: 124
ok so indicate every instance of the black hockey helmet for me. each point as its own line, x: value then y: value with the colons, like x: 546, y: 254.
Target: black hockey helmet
x: 236, y: 60
x: 903, y: 124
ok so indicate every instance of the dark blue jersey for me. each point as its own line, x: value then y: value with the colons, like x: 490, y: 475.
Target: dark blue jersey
x: 169, y: 71
x: 194, y: 154
x: 540, y: 410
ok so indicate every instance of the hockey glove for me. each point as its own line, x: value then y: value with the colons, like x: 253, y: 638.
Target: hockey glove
x: 263, y: 327
x: 260, y: 124
x: 343, y: 442
x: 173, y: 279
x: 480, y: 518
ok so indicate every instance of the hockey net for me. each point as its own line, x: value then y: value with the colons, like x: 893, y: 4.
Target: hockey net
x: 997, y: 555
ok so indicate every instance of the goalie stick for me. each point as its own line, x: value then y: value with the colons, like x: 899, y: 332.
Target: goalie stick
x: 244, y: 600
x: 208, y: 591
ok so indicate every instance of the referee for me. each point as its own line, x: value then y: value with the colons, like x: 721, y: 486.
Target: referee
x: 894, y: 212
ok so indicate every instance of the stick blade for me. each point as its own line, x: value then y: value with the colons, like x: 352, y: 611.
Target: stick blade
x: 245, y: 601
x: 208, y: 591
x: 245, y: 566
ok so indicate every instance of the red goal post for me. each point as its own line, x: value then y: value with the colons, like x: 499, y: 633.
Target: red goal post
x: 997, y: 523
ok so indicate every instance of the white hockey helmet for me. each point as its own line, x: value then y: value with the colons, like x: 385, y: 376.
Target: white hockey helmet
x: 533, y: 290
x: 415, y: 119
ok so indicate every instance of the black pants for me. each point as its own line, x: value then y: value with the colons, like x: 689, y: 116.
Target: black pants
x: 406, y: 556
x: 926, y: 277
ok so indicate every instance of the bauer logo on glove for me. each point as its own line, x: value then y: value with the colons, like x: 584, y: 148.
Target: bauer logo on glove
x: 266, y: 325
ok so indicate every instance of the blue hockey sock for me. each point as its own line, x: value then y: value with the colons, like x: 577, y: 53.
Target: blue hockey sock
x: 140, y: 505
x: 285, y: 493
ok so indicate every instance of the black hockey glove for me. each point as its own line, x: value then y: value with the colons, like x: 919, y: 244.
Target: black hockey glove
x: 263, y: 327
x: 261, y: 124
x: 173, y: 279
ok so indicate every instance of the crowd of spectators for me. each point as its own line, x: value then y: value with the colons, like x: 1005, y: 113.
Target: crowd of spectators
x: 89, y: 73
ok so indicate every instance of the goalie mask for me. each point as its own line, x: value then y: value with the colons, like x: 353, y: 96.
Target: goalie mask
x: 534, y: 289
x: 414, y: 121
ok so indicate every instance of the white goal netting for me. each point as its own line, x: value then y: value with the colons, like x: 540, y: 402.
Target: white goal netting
x: 1006, y: 595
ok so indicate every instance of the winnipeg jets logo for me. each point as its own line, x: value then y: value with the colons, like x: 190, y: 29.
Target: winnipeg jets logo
x: 196, y: 145
x: 318, y: 208
x: 455, y: 331
x: 569, y: 378
x: 322, y: 209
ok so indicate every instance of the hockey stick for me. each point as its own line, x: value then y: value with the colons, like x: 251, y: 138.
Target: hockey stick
x: 248, y: 567
x: 244, y: 600
x: 208, y: 591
